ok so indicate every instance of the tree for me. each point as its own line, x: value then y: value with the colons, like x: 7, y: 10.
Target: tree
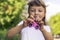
x: 10, y: 12
x: 54, y: 22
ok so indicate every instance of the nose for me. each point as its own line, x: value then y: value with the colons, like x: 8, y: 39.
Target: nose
x: 36, y: 12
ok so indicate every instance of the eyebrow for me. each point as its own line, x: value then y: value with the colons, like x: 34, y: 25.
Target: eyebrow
x: 34, y: 8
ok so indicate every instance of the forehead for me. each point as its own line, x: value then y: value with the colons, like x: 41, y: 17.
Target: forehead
x: 36, y: 7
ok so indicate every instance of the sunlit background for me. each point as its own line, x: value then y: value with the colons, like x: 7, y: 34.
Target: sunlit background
x: 53, y: 7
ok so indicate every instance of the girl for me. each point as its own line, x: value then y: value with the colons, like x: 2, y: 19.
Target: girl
x: 34, y: 27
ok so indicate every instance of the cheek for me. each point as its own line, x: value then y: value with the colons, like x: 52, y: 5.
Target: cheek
x: 42, y: 14
x: 31, y: 14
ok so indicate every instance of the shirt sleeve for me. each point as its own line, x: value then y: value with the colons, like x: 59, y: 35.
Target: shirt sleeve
x: 47, y: 28
x: 20, y: 23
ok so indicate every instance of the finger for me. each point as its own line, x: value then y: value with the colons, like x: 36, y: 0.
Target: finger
x: 25, y: 23
x: 30, y: 20
x: 31, y: 17
x: 37, y: 18
x: 41, y: 22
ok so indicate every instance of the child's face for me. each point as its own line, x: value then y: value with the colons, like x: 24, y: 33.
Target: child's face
x: 38, y: 12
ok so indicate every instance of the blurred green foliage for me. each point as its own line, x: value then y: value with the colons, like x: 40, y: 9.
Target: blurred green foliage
x: 3, y: 35
x: 10, y: 12
x: 10, y: 15
x: 54, y: 22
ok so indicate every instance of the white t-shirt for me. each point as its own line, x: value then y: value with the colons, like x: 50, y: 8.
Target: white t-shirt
x: 30, y: 33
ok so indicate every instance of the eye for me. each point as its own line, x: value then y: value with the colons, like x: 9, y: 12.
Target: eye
x: 40, y: 10
x: 32, y: 10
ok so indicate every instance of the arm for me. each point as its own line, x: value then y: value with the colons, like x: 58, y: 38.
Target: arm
x: 18, y: 28
x: 14, y: 30
x: 47, y: 35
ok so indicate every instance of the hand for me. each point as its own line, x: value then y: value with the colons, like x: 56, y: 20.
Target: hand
x: 41, y: 23
x: 28, y: 20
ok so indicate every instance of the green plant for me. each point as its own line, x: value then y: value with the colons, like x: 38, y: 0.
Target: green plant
x: 3, y: 35
x: 54, y: 22
x: 10, y: 12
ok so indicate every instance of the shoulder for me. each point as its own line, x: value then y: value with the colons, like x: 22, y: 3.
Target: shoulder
x: 21, y: 22
x: 47, y: 28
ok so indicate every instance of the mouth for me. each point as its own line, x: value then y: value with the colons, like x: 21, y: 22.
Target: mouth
x: 37, y: 18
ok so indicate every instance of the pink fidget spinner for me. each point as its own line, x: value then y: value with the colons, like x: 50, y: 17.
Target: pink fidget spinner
x: 34, y: 24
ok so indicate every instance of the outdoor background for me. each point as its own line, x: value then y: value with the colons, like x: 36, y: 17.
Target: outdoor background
x: 13, y: 11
